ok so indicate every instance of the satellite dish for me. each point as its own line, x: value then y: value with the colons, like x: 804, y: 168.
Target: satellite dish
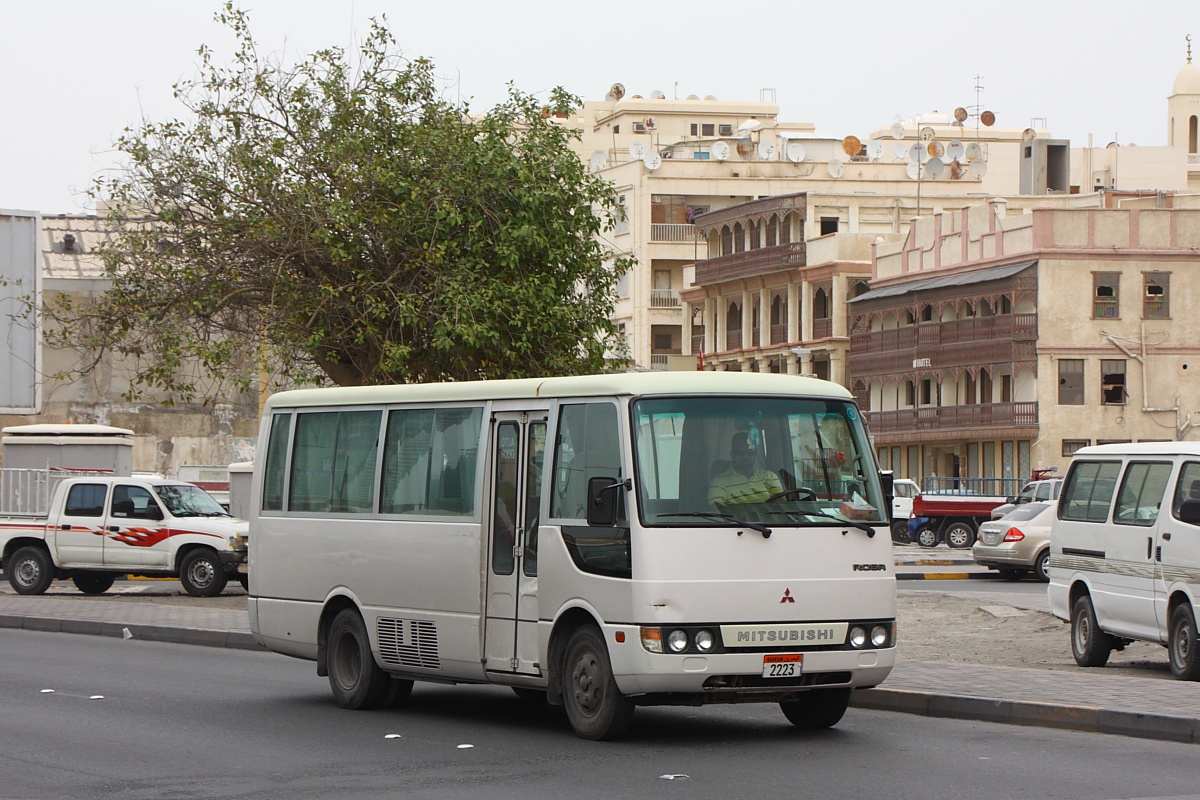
x: 875, y: 150
x: 657, y: 94
x: 936, y: 149
x: 934, y: 168
x: 750, y: 125
x: 652, y: 161
x: 900, y: 149
x: 745, y: 147
x: 616, y: 91
x: 766, y: 150
x: 720, y: 150
x: 917, y: 153
x: 1029, y: 134
x: 955, y: 150
x: 851, y: 146
x: 926, y: 134
x: 957, y: 170
x: 836, y: 168
x: 960, y: 114
x: 897, y: 130
x: 913, y: 170
x: 974, y: 151
x: 637, y: 150
x: 598, y: 161
x: 795, y: 152
x: 987, y: 118
x: 977, y: 169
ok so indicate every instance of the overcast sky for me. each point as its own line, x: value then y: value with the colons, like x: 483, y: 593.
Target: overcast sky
x: 75, y: 74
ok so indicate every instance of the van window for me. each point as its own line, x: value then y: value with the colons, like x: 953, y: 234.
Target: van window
x: 1089, y: 491
x: 1141, y: 493
x: 1187, y: 487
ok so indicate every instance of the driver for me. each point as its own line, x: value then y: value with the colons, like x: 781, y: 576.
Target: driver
x: 742, y: 483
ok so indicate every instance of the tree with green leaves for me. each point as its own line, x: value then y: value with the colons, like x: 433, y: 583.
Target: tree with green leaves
x: 344, y: 221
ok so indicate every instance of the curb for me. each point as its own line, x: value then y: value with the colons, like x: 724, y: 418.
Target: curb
x: 1164, y: 727
x: 205, y: 637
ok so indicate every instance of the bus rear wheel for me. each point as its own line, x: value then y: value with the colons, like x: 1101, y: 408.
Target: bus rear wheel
x: 595, y: 706
x: 819, y: 708
x: 356, y: 680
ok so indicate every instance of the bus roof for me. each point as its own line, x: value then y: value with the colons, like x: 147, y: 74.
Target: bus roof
x: 624, y: 383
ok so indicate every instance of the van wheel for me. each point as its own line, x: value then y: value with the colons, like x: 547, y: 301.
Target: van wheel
x: 927, y: 537
x: 356, y: 680
x: 201, y: 573
x: 1090, y: 645
x: 900, y: 532
x: 960, y: 536
x: 30, y: 570
x: 1182, y: 645
x: 1039, y: 566
x: 595, y: 706
x: 819, y: 708
x: 93, y: 582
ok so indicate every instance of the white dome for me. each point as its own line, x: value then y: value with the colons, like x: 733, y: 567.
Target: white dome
x: 1188, y: 80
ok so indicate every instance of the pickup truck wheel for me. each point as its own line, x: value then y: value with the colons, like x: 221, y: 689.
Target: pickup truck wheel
x: 30, y: 570
x: 201, y: 573
x: 93, y: 582
x: 960, y: 536
x: 927, y: 537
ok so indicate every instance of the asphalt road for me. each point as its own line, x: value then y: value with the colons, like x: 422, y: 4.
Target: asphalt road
x: 135, y: 719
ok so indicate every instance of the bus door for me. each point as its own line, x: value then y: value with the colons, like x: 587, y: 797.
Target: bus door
x: 518, y: 450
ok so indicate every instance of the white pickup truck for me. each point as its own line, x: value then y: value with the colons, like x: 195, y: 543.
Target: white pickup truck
x: 93, y: 528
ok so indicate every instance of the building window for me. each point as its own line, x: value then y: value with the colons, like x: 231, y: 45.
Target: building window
x: 739, y: 238
x: 622, y: 221
x: 1105, y: 295
x: 772, y: 231
x: 1070, y: 381
x: 726, y: 240
x: 706, y: 129
x: 1155, y: 302
x: 1113, y: 441
x: 829, y: 225
x: 1070, y: 446
x: 1112, y: 382
x: 926, y: 392
x: 778, y: 310
x: 616, y: 128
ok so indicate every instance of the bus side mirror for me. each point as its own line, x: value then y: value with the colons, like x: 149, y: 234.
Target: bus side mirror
x: 602, y: 501
x: 1189, y: 512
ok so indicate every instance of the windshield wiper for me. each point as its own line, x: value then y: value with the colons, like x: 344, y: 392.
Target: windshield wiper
x: 754, y: 526
x: 861, y: 526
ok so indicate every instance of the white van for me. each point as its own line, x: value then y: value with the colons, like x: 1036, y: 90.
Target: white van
x: 1125, y: 551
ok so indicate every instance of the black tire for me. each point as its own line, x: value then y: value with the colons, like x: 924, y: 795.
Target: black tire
x: 927, y: 537
x: 595, y: 706
x: 900, y: 532
x: 30, y: 570
x: 93, y: 582
x: 356, y: 680
x: 201, y: 573
x: 1182, y: 646
x: 1090, y: 645
x: 960, y: 536
x: 1039, y: 566
x: 244, y: 580
x: 397, y: 692
x: 1012, y: 574
x: 819, y: 708
x: 530, y: 695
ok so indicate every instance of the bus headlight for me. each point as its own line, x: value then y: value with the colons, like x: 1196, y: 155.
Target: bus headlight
x: 677, y: 640
x: 704, y: 641
x: 858, y: 636
x: 879, y: 636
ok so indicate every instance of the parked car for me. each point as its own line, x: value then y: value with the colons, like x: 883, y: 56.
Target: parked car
x: 1040, y: 491
x: 903, y: 492
x: 1018, y: 543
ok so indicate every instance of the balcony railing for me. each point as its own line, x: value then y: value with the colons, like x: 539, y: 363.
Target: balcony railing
x: 955, y: 418
x: 762, y: 261
x: 779, y: 333
x: 658, y: 361
x: 1007, y: 337
x: 733, y: 340
x: 822, y: 328
x: 672, y: 233
x: 664, y: 298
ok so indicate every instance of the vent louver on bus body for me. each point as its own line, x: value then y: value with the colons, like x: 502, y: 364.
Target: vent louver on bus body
x: 409, y: 643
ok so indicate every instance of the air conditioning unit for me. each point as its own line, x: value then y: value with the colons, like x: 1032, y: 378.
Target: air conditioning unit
x: 639, y: 127
x: 726, y: 129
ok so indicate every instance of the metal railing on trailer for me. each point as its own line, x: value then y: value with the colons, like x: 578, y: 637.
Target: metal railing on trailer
x: 27, y: 492
x: 986, y: 487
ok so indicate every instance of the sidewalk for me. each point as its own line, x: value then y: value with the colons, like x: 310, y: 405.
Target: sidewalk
x: 1087, y: 701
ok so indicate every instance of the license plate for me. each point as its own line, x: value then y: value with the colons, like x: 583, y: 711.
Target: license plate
x: 782, y: 666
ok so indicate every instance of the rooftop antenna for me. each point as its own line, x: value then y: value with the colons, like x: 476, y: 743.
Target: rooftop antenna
x: 1189, y: 47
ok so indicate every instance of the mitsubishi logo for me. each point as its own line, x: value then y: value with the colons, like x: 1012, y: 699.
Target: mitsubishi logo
x: 787, y: 597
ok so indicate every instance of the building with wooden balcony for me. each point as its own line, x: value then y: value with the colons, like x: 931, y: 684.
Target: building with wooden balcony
x: 991, y: 344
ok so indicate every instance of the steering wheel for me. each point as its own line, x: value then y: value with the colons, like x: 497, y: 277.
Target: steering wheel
x: 801, y: 493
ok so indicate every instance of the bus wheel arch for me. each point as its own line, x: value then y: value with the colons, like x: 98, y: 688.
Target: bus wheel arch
x: 355, y: 678
x: 564, y: 627
x: 333, y: 607
x: 595, y: 706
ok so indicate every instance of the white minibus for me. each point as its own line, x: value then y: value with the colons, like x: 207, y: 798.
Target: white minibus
x: 599, y: 542
x: 1125, y: 551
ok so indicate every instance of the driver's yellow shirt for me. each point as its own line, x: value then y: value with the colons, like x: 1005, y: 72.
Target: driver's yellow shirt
x: 732, y: 486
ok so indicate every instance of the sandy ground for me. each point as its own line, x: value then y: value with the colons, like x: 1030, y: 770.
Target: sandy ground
x: 979, y: 630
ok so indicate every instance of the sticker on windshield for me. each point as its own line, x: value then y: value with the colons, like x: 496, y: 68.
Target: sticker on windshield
x: 851, y: 413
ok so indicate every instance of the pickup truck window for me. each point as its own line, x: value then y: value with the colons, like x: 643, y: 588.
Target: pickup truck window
x: 134, y: 502
x: 86, y: 500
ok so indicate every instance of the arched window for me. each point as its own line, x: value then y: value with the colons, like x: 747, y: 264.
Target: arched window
x: 821, y: 304
x: 1192, y: 134
x: 739, y: 238
x: 773, y: 231
x: 733, y: 317
x: 726, y: 241
x: 785, y: 229
x: 778, y: 310
x: 754, y: 242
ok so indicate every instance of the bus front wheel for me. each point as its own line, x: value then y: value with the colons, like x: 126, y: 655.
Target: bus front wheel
x: 595, y: 706
x: 357, y: 681
x: 819, y: 708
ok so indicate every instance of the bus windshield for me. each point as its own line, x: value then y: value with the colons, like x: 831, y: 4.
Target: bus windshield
x: 780, y: 461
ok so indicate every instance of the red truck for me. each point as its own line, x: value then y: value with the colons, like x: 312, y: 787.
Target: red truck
x: 953, y: 517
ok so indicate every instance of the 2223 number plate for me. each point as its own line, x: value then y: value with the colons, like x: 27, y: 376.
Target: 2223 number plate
x: 784, y: 665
